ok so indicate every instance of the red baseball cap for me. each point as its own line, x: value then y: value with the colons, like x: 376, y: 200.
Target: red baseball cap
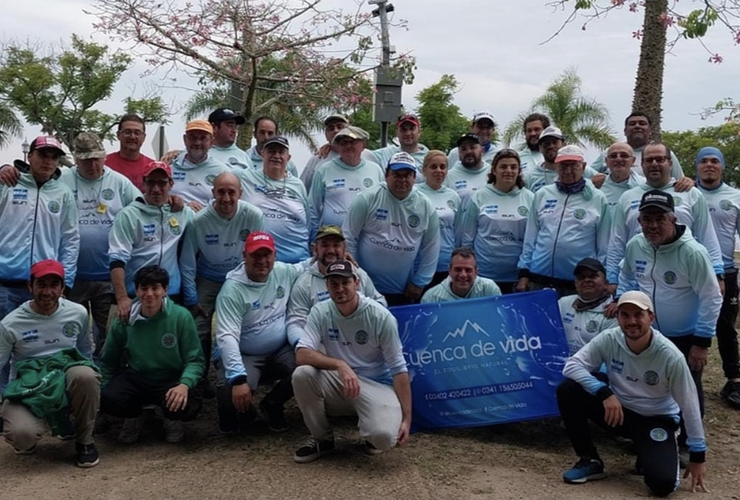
x: 158, y: 165
x: 408, y: 118
x: 257, y: 240
x: 46, y: 142
x: 46, y: 268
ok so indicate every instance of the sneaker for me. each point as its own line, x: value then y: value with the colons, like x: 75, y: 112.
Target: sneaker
x: 131, y: 429
x: 371, y: 450
x: 29, y: 451
x: 731, y: 393
x: 313, y: 450
x: 274, y: 415
x: 67, y: 432
x: 87, y: 455
x: 174, y: 430
x: 586, y: 469
x: 638, y: 470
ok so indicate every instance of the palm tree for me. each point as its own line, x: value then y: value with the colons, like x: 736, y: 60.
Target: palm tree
x: 583, y: 120
x: 10, y: 125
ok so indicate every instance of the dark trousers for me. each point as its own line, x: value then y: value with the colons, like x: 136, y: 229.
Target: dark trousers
x: 684, y: 345
x: 128, y: 392
x: 726, y: 333
x: 654, y: 437
x: 398, y: 299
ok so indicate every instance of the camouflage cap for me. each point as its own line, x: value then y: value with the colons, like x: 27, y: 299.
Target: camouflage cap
x: 88, y: 145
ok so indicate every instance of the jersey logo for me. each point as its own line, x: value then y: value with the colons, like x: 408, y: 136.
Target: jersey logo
x: 210, y: 179
x: 669, y: 277
x: 333, y: 334
x: 651, y: 378
x: 634, y: 204
x: 413, y: 220
x: 592, y: 326
x: 20, y: 194
x: 243, y: 234
x: 725, y: 205
x: 677, y: 201
x: 640, y: 266
x: 255, y: 304
x: 338, y: 183
x: 523, y: 211
x: 70, y: 330
x: 461, y: 184
x: 658, y: 434
x: 491, y: 209
x: 361, y: 337
x: 54, y: 207
x: 175, y: 230
x: 381, y: 214
x: 107, y: 194
x: 579, y: 214
x: 178, y: 176
x: 617, y: 366
x: 367, y: 182
x: 550, y: 204
x: 280, y: 292
x: 322, y: 296
x: 148, y: 229
x: 211, y: 239
x: 451, y: 204
x: 169, y: 340
x: 30, y: 336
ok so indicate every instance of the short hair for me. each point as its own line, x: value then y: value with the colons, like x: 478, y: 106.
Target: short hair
x: 151, y: 275
x: 638, y: 113
x: 433, y: 153
x: 533, y: 117
x: 131, y: 117
x: 668, y: 151
x: 500, y: 155
x: 464, y: 252
x: 265, y: 117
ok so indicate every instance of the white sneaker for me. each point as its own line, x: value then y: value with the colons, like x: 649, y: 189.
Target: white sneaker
x: 174, y: 430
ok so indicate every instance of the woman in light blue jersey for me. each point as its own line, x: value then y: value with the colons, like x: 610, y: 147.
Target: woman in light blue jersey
x: 495, y: 220
x: 446, y: 203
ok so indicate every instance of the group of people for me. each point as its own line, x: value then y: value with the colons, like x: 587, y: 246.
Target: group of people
x: 293, y: 276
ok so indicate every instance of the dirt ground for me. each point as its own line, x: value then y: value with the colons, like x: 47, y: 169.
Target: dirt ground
x: 514, y: 461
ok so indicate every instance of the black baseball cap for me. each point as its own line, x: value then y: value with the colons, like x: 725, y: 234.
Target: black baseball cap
x: 224, y: 114
x: 468, y: 137
x: 657, y: 199
x: 340, y: 268
x: 279, y: 140
x: 590, y: 264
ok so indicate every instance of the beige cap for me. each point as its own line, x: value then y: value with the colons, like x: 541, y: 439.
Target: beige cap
x: 640, y: 299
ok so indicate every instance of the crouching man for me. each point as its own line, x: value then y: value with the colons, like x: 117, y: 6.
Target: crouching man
x: 154, y: 359
x: 363, y: 372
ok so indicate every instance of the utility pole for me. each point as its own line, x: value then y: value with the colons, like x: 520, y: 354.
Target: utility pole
x: 387, y: 98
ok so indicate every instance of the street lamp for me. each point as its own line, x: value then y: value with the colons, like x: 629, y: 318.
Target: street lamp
x: 25, y: 147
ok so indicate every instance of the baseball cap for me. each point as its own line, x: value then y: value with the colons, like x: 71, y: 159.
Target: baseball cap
x: 279, y: 140
x: 258, y: 240
x: 329, y: 230
x: 341, y: 268
x: 570, y: 152
x: 46, y: 142
x: 483, y: 115
x: 591, y: 264
x: 201, y: 125
x: 353, y: 133
x: 224, y: 114
x: 468, y: 137
x: 402, y: 160
x: 408, y: 118
x: 157, y: 165
x: 551, y: 132
x: 656, y: 199
x: 88, y: 145
x: 640, y: 299
x: 48, y: 267
x: 336, y: 117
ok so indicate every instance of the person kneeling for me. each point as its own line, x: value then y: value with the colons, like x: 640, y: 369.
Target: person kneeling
x: 154, y: 359
x: 363, y: 358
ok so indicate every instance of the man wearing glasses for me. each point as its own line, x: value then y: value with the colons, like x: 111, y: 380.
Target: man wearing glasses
x: 619, y: 159
x: 128, y: 160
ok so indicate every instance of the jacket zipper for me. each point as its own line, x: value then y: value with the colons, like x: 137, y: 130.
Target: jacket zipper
x: 557, y: 235
x: 655, y: 287
x: 161, y: 237
x: 35, y: 218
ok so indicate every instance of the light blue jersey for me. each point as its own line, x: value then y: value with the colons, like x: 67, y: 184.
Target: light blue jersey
x: 194, y: 183
x: 537, y: 176
x: 529, y: 159
x: 231, y: 156
x: 466, y: 181
x: 482, y: 287
x: 447, y: 204
x: 724, y: 209
x: 614, y: 190
x: 313, y: 164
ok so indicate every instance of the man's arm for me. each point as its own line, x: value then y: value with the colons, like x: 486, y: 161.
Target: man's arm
x: 299, y: 305
x: 428, y: 252
x: 316, y: 202
x: 530, y: 240
x: 69, y: 246
x: 603, y: 232
x: 468, y: 225
x: 589, y: 358
x: 120, y: 246
x: 402, y: 387
x: 311, y: 357
x: 188, y: 266
x: 354, y: 222
x: 84, y: 341
x: 706, y: 235
x: 617, y: 241
x: 191, y: 352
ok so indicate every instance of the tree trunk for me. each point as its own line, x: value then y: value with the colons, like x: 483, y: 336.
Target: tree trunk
x: 649, y: 82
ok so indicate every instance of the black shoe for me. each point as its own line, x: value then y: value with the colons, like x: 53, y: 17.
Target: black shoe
x: 731, y: 393
x: 207, y: 389
x: 274, y: 415
x: 87, y: 455
x: 638, y: 470
x: 313, y: 450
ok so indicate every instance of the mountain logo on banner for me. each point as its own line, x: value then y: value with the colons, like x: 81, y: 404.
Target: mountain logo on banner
x: 460, y: 332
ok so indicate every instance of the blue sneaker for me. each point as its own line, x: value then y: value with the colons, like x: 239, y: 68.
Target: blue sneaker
x: 587, y: 469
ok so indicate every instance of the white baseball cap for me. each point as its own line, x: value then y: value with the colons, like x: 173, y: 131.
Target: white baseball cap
x: 570, y: 153
x: 483, y: 115
x: 640, y: 299
x: 551, y: 131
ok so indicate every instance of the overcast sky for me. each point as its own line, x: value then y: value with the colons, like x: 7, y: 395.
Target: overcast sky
x: 492, y: 47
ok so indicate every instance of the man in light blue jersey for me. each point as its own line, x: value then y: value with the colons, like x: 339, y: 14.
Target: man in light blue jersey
x: 483, y: 126
x: 310, y: 287
x: 724, y: 209
x: 393, y: 232
x: 583, y: 313
x: 638, y: 131
x: 646, y: 385
x: 225, y: 122
x: 46, y: 341
x: 212, y: 247
x: 529, y: 153
x: 690, y: 210
x: 146, y: 232
x: 470, y: 173
x: 363, y: 371
x: 252, y: 343
x: 194, y: 169
x: 620, y: 177
x: 568, y: 221
x: 339, y: 181
x: 328, y: 152
x: 408, y: 131
x: 265, y: 128
x: 463, y: 281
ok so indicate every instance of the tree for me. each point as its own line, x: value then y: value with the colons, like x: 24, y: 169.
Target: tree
x: 582, y: 119
x: 10, y: 125
x: 658, y: 17
x: 294, y: 54
x: 443, y: 123
x: 726, y: 137
x: 59, y: 90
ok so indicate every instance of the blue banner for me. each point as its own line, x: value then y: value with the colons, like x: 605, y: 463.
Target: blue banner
x: 483, y: 361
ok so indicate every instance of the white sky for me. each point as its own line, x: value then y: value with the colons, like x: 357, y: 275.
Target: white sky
x: 491, y: 46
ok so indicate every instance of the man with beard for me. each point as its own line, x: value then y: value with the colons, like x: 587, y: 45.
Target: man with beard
x: 545, y: 174
x: 408, y: 130
x: 532, y: 127
x: 393, y: 223
x: 224, y: 149
x: 128, y: 160
x: 463, y: 281
x: 194, y: 170
x: 265, y: 128
x: 328, y: 152
x: 470, y: 173
x: 638, y: 131
x: 310, y: 288
x: 483, y: 126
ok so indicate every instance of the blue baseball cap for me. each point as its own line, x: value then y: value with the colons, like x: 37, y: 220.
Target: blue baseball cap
x: 401, y: 161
